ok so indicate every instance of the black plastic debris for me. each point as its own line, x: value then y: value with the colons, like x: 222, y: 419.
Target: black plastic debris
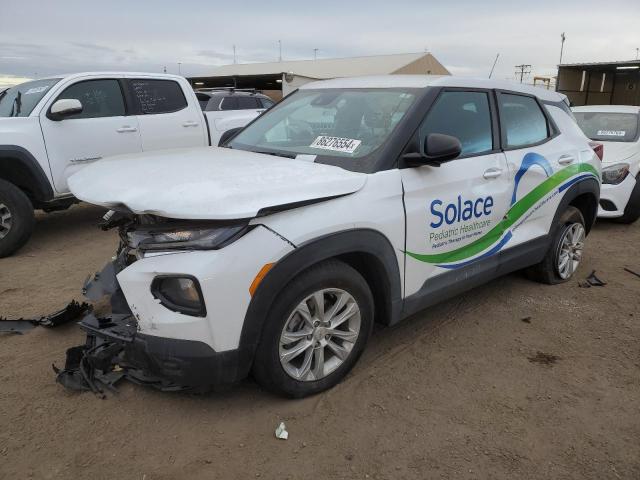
x: 103, y: 283
x: 16, y: 326
x: 71, y: 312
x: 89, y: 367
x: 592, y: 281
x: 632, y: 272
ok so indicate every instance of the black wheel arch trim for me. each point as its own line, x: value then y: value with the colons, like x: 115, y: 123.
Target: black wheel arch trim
x: 29, y: 176
x: 588, y: 186
x: 338, y: 245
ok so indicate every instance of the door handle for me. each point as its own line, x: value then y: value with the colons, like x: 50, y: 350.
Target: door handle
x: 126, y: 128
x: 190, y: 123
x: 492, y: 173
x: 566, y: 159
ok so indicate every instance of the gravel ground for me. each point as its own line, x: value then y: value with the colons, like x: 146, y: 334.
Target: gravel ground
x: 511, y: 380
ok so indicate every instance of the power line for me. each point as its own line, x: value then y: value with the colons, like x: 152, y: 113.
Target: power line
x: 523, y: 70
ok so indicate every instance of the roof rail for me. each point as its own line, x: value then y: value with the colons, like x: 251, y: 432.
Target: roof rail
x: 227, y: 89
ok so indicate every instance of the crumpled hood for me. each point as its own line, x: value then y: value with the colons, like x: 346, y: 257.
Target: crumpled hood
x: 208, y: 182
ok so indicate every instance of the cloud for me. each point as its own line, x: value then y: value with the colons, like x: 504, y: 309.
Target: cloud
x: 45, y: 38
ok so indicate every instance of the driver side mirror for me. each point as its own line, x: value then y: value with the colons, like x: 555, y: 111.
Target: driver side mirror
x: 438, y: 148
x: 65, y: 107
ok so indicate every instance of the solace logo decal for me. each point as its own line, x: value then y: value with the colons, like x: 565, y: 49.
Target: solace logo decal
x: 491, y: 242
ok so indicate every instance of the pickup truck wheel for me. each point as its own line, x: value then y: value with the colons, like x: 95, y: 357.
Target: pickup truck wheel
x: 315, y: 331
x: 565, y: 252
x: 16, y: 218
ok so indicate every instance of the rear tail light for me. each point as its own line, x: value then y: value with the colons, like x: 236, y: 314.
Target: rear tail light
x: 598, y: 148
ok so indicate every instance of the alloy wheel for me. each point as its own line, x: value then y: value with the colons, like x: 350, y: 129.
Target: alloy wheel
x: 319, y: 334
x: 5, y: 220
x: 570, y: 251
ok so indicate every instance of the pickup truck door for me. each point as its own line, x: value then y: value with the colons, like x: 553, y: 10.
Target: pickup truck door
x: 452, y: 211
x: 168, y: 116
x: 102, y: 129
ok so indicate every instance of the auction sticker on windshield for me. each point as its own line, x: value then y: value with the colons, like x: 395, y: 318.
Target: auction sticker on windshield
x: 611, y: 133
x: 336, y: 144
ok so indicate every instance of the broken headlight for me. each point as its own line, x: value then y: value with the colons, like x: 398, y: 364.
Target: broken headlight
x: 184, y: 238
x: 615, y: 174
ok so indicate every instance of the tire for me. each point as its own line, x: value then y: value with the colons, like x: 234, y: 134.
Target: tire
x: 298, y: 374
x: 16, y: 218
x: 549, y: 270
x: 632, y: 210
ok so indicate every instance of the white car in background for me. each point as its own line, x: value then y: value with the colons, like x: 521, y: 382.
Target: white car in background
x: 617, y: 127
x: 230, y: 108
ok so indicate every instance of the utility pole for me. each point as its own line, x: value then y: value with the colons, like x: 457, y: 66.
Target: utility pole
x: 494, y: 65
x: 562, y: 39
x: 179, y: 69
x: 280, y: 50
x: 523, y: 70
x: 234, y: 55
x: 637, y: 53
x: 315, y: 53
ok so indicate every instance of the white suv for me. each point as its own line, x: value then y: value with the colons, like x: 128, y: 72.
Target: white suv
x: 617, y: 128
x: 350, y: 202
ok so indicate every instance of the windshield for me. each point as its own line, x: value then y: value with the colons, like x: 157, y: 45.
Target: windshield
x: 337, y: 123
x: 608, y: 127
x: 20, y: 100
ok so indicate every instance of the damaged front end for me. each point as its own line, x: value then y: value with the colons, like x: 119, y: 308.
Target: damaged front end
x: 116, y: 346
x: 113, y: 350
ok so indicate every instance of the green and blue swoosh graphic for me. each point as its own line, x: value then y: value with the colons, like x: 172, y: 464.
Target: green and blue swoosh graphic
x: 500, y: 234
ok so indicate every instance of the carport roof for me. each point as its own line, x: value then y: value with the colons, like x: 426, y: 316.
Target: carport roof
x: 332, y: 67
x: 622, y: 63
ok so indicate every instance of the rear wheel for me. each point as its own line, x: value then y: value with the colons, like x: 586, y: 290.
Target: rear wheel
x: 16, y: 218
x: 565, y: 252
x: 315, y: 331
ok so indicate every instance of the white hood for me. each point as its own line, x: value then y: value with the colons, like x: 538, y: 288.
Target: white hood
x: 208, y: 182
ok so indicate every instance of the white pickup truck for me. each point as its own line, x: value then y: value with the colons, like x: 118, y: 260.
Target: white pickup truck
x: 51, y: 128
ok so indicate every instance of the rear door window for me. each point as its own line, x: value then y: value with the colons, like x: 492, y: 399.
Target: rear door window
x: 157, y: 96
x: 266, y: 103
x: 248, y: 103
x: 523, y: 122
x: 229, y: 103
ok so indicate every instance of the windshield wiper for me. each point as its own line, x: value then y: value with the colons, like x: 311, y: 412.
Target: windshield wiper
x: 275, y: 154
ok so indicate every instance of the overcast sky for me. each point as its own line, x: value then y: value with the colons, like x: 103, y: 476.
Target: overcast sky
x: 40, y: 38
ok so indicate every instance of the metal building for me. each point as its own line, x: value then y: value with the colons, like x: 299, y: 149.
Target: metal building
x: 604, y: 83
x: 280, y: 78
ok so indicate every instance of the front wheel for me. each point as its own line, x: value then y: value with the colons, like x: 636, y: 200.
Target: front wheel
x: 565, y: 252
x: 315, y: 331
x: 16, y: 218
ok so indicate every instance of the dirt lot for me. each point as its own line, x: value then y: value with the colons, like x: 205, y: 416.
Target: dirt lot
x: 469, y: 389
